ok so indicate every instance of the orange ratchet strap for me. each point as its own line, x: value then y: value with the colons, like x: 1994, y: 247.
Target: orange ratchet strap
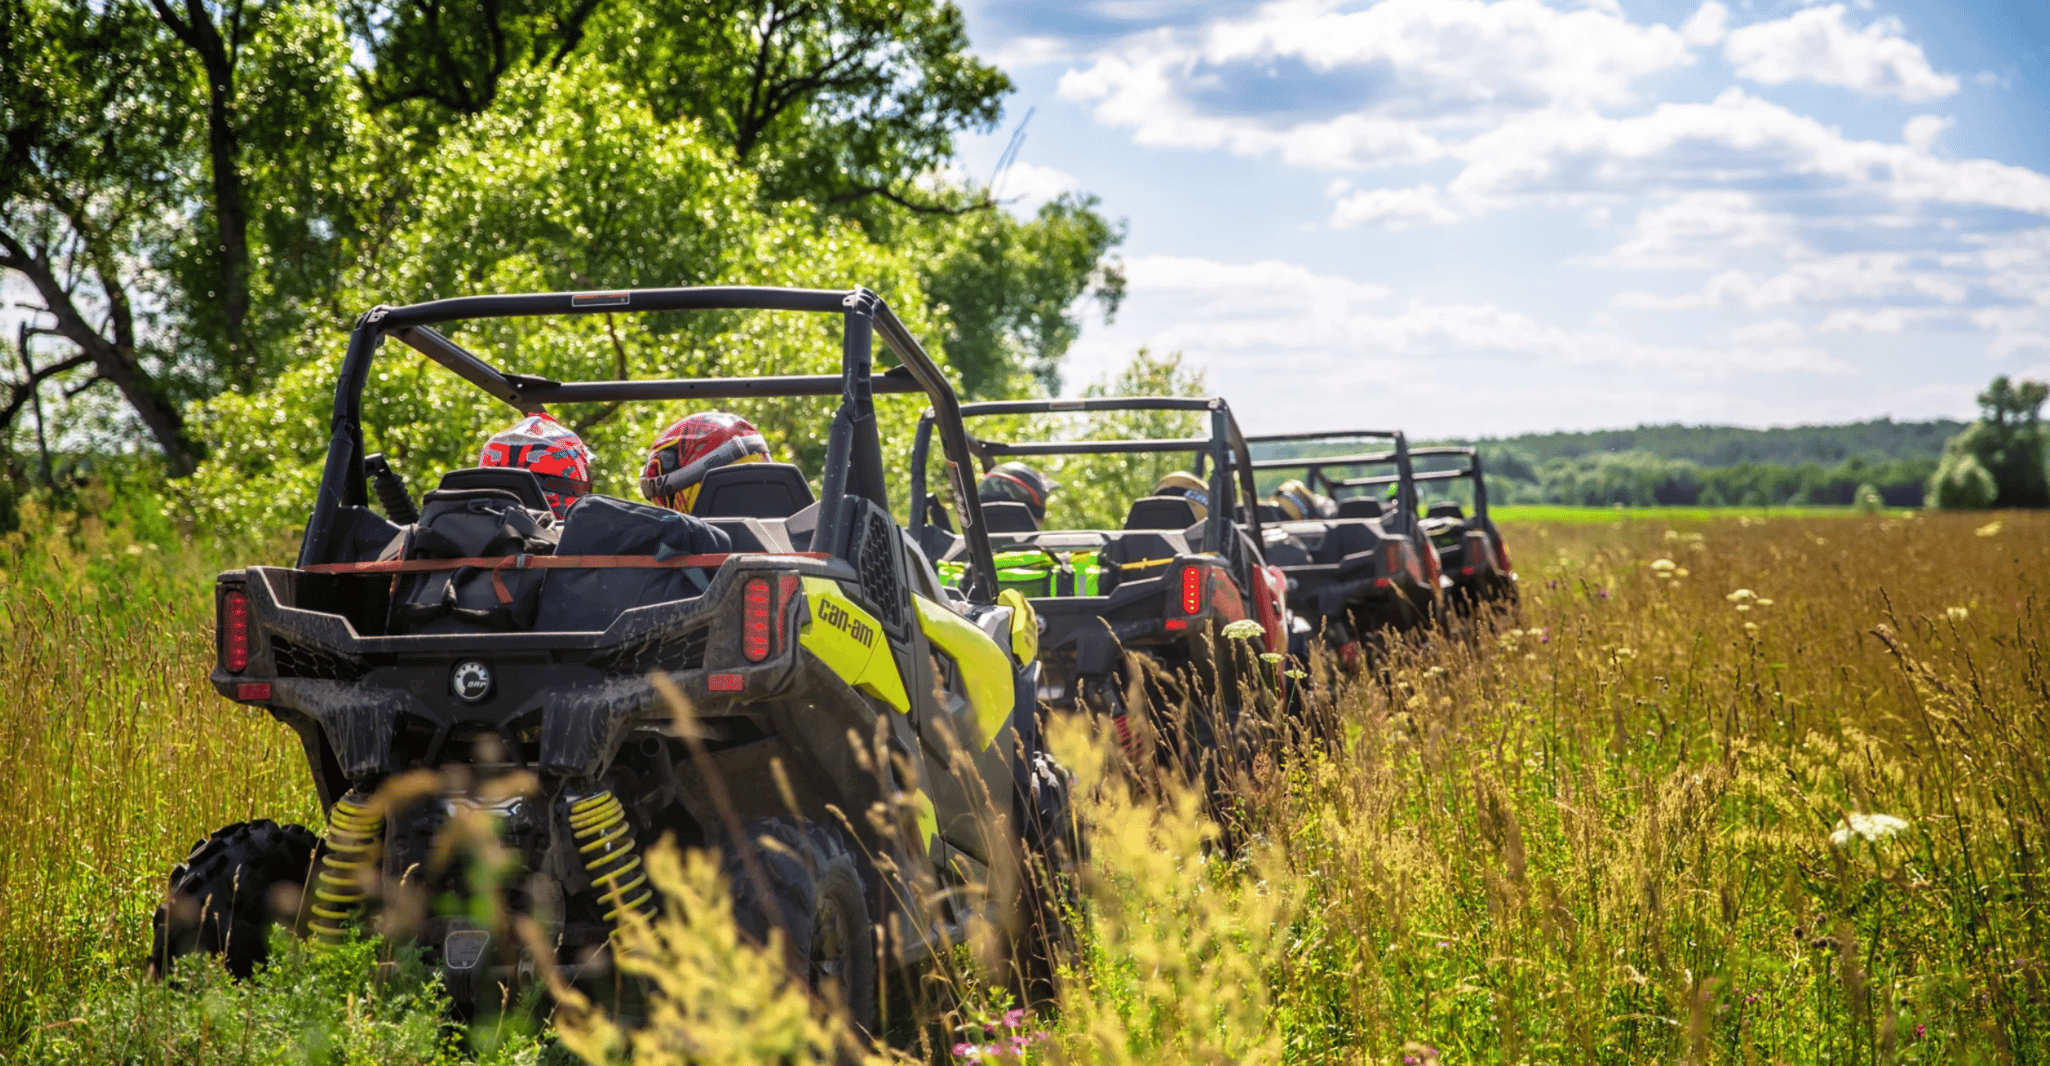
x: 496, y: 564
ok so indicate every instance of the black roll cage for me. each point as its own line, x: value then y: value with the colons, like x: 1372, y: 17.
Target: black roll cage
x: 1400, y: 455
x: 854, y: 463
x: 1471, y: 470
x: 1224, y: 449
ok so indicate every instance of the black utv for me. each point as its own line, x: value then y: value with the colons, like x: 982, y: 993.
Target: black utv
x: 524, y: 666
x: 1471, y: 553
x: 1368, y: 568
x: 1158, y: 590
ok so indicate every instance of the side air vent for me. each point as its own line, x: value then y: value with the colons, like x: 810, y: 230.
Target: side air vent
x: 297, y: 660
x: 876, y: 562
x: 663, y: 652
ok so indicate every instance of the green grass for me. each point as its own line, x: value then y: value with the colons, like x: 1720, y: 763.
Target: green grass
x: 1562, y: 513
x: 1601, y: 832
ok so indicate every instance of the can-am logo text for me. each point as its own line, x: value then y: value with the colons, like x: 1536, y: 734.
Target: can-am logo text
x: 836, y: 616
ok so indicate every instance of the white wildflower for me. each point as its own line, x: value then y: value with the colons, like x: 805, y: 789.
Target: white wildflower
x: 1244, y: 629
x: 1741, y: 595
x: 1990, y: 529
x: 1872, y: 827
x: 1958, y: 614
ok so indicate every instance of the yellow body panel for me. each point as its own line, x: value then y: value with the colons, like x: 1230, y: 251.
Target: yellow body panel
x: 1024, y: 625
x: 850, y: 641
x: 985, y: 669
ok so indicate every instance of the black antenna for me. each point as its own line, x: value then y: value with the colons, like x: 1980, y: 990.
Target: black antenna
x: 1010, y: 155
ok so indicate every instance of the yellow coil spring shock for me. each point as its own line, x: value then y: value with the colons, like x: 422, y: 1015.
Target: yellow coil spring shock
x: 605, y: 845
x: 354, y: 832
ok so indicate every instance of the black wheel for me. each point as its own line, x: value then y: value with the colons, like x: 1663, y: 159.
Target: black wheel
x: 1054, y: 845
x: 816, y: 895
x: 225, y: 896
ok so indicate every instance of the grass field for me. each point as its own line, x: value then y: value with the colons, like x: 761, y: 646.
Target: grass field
x: 1554, y: 513
x: 1725, y: 791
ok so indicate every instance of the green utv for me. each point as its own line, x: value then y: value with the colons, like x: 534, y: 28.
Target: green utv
x: 1143, y: 604
x: 862, y: 744
x: 1368, y: 568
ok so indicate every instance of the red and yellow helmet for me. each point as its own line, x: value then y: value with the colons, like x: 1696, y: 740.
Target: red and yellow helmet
x: 692, y: 447
x: 552, y: 451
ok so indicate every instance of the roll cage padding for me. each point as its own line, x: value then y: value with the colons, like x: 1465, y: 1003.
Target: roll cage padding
x: 853, y: 452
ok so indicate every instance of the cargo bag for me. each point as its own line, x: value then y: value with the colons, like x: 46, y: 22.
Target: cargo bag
x: 1037, y: 572
x: 587, y: 600
x: 467, y: 524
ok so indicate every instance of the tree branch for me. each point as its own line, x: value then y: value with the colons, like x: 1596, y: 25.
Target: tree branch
x: 865, y: 191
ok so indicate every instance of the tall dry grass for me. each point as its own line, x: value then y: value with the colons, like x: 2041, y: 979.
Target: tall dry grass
x: 115, y: 756
x: 1731, y: 792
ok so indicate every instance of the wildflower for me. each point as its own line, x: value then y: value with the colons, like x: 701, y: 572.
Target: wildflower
x: 1681, y: 572
x: 1741, y: 595
x: 1664, y: 566
x: 1872, y: 827
x: 1626, y: 653
x: 1603, y: 593
x: 1743, y: 606
x: 1990, y: 529
x: 1751, y: 625
x: 1244, y: 629
x: 1014, y: 1017
x: 1958, y: 614
x: 1270, y: 656
x: 1763, y: 602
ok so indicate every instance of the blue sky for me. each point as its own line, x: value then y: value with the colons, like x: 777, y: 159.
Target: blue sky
x: 1471, y: 217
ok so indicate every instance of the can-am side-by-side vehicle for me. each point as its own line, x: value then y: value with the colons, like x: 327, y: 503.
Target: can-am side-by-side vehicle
x: 861, y: 742
x: 1161, y: 587
x: 1471, y: 552
x: 1369, y: 568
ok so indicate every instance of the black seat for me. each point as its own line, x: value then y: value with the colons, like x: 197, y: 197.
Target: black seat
x: 1161, y: 512
x: 1271, y: 513
x: 1359, y: 507
x: 1008, y: 516
x: 519, y: 481
x: 1446, y: 509
x: 752, y: 490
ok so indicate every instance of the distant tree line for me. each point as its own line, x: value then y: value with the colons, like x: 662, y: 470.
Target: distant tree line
x: 1720, y: 446
x: 1645, y: 479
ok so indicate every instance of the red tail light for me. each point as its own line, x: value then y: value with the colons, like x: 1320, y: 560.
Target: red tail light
x: 756, y: 602
x: 1502, y: 557
x: 1192, y: 589
x: 235, y: 631
x: 1393, y: 549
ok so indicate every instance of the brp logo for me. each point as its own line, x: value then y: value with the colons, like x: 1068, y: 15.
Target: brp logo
x: 470, y: 681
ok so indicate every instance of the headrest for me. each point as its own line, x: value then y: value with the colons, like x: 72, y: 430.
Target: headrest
x: 517, y: 480
x: 1359, y: 507
x: 752, y: 490
x: 1445, y: 509
x: 1161, y: 512
x: 1007, y: 516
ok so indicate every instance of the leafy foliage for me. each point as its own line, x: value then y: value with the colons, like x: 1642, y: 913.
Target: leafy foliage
x: 1998, y: 461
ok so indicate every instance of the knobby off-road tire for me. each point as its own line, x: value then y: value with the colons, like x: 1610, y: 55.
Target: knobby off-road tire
x: 223, y: 899
x: 816, y: 896
x: 1054, y: 848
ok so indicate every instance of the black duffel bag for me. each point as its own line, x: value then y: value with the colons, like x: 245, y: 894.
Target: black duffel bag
x: 601, y: 525
x: 468, y: 524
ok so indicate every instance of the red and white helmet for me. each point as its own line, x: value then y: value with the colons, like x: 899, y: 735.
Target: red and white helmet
x: 552, y: 451
x: 692, y: 447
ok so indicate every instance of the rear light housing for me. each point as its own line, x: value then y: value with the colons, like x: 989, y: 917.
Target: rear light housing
x: 757, y: 621
x: 1193, y: 579
x: 235, y: 631
x: 1502, y: 557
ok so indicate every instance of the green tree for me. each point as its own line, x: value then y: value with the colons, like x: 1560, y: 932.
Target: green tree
x: 1998, y: 461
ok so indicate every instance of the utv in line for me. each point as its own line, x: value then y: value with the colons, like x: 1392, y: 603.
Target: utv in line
x: 1370, y: 568
x: 525, y: 669
x: 1158, y: 590
x: 1471, y: 552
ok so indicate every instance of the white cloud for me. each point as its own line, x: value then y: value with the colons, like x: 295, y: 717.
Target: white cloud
x: 1883, y: 320
x: 1921, y: 132
x: 1025, y: 186
x: 1816, y: 44
x: 1394, y: 208
x: 1707, y: 25
x: 1324, y: 86
x: 1280, y: 312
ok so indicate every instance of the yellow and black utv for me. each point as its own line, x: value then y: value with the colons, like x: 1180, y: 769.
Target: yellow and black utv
x: 860, y: 742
